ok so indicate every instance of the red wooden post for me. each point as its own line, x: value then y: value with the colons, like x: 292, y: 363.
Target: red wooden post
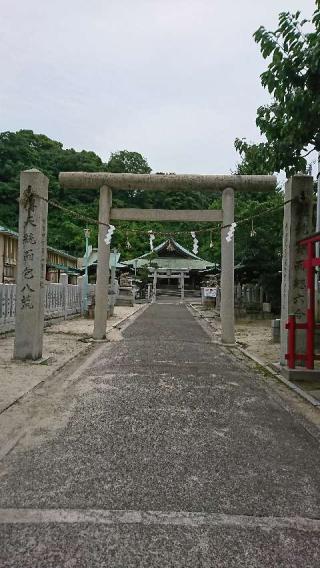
x: 291, y: 327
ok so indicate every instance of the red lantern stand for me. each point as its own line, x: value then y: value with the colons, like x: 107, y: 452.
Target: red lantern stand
x: 310, y: 326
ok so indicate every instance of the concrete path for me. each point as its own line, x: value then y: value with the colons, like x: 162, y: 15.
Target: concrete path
x: 162, y: 452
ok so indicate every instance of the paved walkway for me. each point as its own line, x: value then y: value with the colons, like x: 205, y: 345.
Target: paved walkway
x: 160, y: 453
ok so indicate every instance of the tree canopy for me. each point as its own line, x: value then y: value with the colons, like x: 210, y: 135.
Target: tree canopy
x: 131, y: 162
x: 291, y: 122
x: 25, y: 149
x: 256, y: 257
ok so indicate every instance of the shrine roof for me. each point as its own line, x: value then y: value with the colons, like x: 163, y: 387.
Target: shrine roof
x: 173, y: 256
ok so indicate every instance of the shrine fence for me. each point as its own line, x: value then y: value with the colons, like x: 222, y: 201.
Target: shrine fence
x: 61, y: 301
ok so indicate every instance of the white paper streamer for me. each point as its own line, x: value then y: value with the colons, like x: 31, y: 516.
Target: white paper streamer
x: 230, y: 234
x: 151, y: 239
x: 109, y: 234
x: 195, y: 243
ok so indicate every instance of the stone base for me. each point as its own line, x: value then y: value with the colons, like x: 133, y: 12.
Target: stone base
x: 242, y: 314
x: 299, y: 374
x: 125, y: 297
x: 124, y: 301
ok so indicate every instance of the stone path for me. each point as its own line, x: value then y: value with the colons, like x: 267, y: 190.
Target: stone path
x: 161, y: 453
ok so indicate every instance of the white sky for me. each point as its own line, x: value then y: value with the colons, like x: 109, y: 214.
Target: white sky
x: 177, y: 80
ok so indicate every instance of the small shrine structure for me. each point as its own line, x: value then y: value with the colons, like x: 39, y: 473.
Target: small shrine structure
x: 173, y: 268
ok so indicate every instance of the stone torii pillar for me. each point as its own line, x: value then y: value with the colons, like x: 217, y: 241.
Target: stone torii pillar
x: 102, y: 284
x: 227, y: 269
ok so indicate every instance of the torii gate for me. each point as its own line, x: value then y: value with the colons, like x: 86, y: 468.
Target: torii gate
x: 106, y: 182
x: 29, y: 314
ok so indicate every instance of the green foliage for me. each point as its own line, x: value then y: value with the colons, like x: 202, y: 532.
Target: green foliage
x: 143, y: 275
x: 258, y: 257
x: 24, y: 149
x: 130, y: 162
x: 291, y: 122
x: 255, y: 158
x: 134, y: 163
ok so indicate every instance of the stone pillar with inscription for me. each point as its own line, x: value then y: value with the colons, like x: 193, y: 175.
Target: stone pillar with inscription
x: 297, y: 224
x: 31, y: 267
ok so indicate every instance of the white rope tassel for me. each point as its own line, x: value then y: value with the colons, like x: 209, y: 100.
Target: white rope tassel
x: 151, y: 239
x: 195, y: 243
x: 230, y: 234
x: 109, y: 234
x: 252, y: 232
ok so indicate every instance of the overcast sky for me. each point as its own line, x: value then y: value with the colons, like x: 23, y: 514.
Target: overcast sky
x: 177, y: 80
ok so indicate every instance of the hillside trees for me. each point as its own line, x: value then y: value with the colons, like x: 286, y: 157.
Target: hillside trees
x: 25, y: 149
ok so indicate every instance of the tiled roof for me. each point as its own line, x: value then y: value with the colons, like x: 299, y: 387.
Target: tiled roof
x: 190, y: 262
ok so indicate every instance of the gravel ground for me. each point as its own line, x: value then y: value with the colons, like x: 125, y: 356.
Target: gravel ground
x: 255, y: 336
x: 62, y: 342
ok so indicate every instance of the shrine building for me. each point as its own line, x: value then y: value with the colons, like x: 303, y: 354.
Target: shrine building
x: 174, y: 263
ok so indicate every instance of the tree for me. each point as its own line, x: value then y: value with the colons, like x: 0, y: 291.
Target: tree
x: 258, y: 244
x: 258, y: 251
x: 291, y: 122
x: 255, y: 158
x: 128, y: 162
x: 125, y: 161
x: 25, y: 149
